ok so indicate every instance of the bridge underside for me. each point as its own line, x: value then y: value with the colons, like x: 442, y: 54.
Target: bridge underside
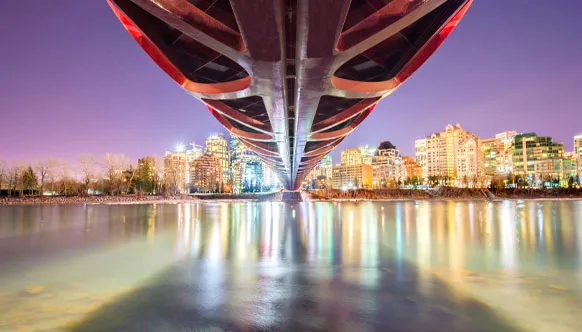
x: 290, y: 78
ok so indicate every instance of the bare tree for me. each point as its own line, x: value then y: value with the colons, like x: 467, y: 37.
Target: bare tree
x: 61, y: 173
x: 43, y: 168
x: 87, y: 163
x: 128, y: 178
x: 53, y: 173
x: 115, y: 165
x: 109, y: 164
x: 15, y: 177
x: 124, y: 166
x: 158, y: 173
x: 3, y: 173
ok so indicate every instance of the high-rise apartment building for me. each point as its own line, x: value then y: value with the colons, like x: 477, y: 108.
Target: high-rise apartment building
x: 420, y: 147
x: 388, y: 170
x: 578, y: 152
x: 352, y: 176
x: 449, y: 154
x: 205, y: 174
x: 497, y: 155
x: 493, y: 154
x: 468, y: 162
x: 176, y: 171
x: 217, y: 146
x: 351, y: 157
x: 578, y: 144
x: 537, y: 157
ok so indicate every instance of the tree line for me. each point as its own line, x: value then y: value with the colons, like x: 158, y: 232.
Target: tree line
x: 113, y: 174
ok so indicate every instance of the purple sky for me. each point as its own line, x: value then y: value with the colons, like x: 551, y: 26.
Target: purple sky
x: 72, y: 80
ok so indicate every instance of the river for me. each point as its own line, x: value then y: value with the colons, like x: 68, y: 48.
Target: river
x: 313, y: 266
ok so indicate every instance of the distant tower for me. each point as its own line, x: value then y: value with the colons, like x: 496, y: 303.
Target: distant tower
x: 216, y: 145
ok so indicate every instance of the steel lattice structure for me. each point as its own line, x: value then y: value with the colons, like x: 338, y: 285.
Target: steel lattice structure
x: 290, y: 78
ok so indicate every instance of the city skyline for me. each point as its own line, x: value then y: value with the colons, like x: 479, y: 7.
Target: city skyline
x: 82, y: 82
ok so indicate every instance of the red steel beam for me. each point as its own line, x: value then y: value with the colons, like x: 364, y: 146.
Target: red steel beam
x: 237, y: 115
x: 169, y: 68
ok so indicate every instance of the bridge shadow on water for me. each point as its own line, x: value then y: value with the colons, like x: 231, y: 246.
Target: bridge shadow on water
x: 204, y: 292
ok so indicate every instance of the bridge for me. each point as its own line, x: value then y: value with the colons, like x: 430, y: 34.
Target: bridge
x: 290, y: 78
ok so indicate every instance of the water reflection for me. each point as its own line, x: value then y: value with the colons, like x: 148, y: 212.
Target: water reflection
x: 505, y: 236
x: 315, y: 266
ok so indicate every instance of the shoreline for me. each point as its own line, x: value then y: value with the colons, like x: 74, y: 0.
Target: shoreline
x: 445, y: 199
x: 133, y: 200
x: 95, y: 200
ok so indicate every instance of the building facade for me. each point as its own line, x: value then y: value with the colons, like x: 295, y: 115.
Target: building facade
x: 196, y: 151
x: 388, y: 169
x: 368, y: 153
x: 537, y: 158
x: 206, y: 174
x: 351, y: 156
x: 239, y: 155
x: 421, y: 156
x: 352, y: 176
x: 468, y: 162
x: 492, y: 150
x: 569, y: 167
x: 216, y: 145
x: 497, y: 157
x: 321, y: 175
x: 449, y: 154
x: 413, y: 170
x: 176, y: 172
x: 578, y: 152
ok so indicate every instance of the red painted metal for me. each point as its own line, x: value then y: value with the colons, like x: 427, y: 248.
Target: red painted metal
x: 167, y: 66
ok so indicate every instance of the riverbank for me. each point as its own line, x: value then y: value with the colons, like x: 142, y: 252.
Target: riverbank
x: 134, y: 199
x: 129, y: 199
x: 445, y: 193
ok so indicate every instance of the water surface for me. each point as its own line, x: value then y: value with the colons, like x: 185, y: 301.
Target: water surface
x: 369, y: 266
